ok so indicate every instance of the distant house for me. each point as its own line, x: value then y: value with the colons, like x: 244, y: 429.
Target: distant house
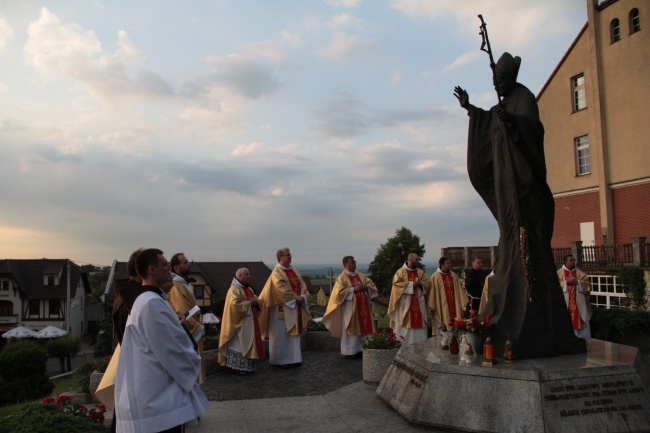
x: 323, y: 295
x: 210, y: 281
x: 33, y: 294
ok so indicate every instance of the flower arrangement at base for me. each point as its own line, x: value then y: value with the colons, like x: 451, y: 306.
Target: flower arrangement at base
x: 385, y: 340
x: 95, y: 412
x: 473, y: 325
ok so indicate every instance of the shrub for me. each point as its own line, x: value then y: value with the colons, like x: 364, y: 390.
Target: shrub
x: 104, y: 340
x: 619, y: 325
x: 23, y: 366
x: 210, y: 342
x: 50, y: 418
x: 633, y: 281
x: 313, y: 326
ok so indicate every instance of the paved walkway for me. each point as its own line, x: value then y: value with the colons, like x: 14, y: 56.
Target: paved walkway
x: 325, y: 394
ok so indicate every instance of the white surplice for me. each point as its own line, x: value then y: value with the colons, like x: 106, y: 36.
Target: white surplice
x: 155, y: 383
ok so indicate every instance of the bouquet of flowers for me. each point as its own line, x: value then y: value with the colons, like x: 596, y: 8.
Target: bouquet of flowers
x: 472, y: 325
x: 386, y: 340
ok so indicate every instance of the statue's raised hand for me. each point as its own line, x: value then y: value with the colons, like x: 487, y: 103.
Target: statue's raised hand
x: 462, y: 96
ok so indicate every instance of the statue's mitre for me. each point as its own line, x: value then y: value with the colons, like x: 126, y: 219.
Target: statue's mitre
x: 508, y: 66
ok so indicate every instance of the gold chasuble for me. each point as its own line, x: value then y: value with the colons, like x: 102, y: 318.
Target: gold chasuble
x: 356, y: 319
x: 363, y: 307
x: 283, y: 286
x: 294, y: 281
x: 237, y: 323
x: 256, y: 320
x: 415, y: 319
x: 448, y: 283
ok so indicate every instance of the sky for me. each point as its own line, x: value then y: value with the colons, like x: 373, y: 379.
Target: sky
x: 230, y: 128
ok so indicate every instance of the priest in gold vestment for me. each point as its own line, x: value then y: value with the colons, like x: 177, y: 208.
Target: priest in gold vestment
x: 447, y: 298
x: 285, y: 312
x: 407, y: 308
x: 240, y: 341
x: 182, y: 300
x: 577, y: 289
x: 349, y: 313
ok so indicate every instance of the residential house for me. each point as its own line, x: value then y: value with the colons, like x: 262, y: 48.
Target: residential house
x: 594, y: 111
x: 209, y: 280
x: 323, y: 295
x: 33, y: 294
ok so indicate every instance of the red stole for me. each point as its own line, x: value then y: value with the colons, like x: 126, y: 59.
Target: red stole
x: 296, y: 287
x: 572, y: 290
x: 415, y: 313
x: 258, y: 335
x: 450, y: 294
x: 363, y: 311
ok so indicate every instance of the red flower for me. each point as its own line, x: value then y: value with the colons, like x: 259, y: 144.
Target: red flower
x: 62, y: 400
x: 48, y: 400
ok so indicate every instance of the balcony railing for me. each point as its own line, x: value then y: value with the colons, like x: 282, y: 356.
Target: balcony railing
x: 636, y: 253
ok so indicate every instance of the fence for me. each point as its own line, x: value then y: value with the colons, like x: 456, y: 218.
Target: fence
x: 636, y: 253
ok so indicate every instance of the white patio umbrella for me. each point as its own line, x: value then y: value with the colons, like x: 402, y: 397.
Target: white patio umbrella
x: 19, y: 332
x: 210, y: 319
x: 50, y: 332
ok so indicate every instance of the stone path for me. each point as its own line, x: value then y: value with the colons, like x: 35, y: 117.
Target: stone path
x: 320, y: 373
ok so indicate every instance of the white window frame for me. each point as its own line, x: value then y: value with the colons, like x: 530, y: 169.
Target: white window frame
x: 579, y: 92
x: 583, y: 155
x: 607, y: 292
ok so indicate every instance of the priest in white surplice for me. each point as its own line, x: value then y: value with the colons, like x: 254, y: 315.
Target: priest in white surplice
x: 349, y: 313
x: 407, y: 308
x: 285, y: 312
x: 155, y: 382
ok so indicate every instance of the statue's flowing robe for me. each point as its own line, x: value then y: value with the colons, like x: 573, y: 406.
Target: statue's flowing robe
x: 507, y: 168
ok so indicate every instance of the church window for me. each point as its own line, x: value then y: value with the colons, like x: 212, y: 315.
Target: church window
x: 579, y: 94
x: 634, y: 21
x: 614, y: 31
x: 583, y: 158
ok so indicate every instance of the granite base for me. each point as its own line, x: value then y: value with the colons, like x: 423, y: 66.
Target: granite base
x: 603, y: 390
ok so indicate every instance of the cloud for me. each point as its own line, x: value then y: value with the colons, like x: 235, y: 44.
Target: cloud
x: 343, y: 3
x: 249, y: 149
x: 349, y: 47
x: 267, y: 49
x: 244, y: 76
x: 54, y: 48
x: 463, y: 59
x: 511, y: 24
x: 344, y: 116
x: 6, y: 33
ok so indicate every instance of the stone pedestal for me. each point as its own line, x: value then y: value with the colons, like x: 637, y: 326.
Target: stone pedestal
x: 95, y: 379
x: 602, y: 390
x: 375, y: 363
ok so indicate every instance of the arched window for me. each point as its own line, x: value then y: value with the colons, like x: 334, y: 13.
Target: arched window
x: 634, y: 21
x: 614, y: 31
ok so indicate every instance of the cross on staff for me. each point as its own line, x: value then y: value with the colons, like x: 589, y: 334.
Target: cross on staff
x: 484, y: 43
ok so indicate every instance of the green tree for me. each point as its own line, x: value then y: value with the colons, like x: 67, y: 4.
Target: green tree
x: 391, y: 256
x: 64, y: 349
